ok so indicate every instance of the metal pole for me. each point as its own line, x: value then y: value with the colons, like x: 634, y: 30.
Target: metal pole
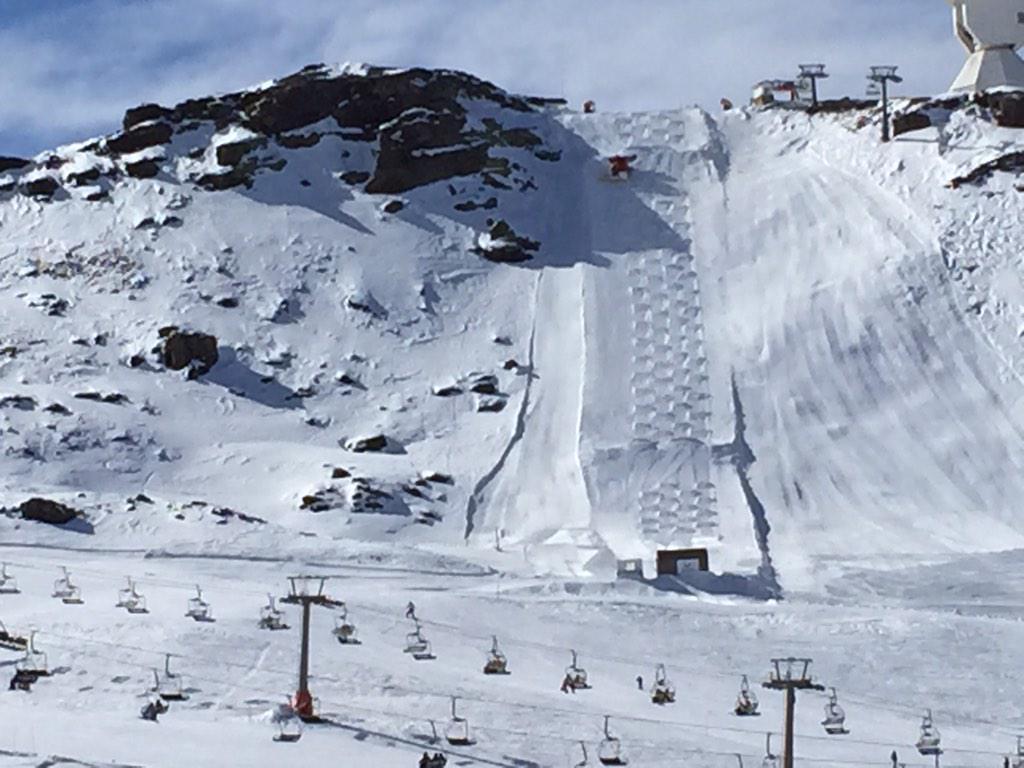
x: 885, y: 110
x: 787, y: 751
x: 814, y: 92
x: 304, y: 656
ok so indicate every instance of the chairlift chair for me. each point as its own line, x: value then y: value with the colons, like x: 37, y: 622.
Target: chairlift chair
x: 585, y: 760
x: 11, y: 641
x: 457, y: 733
x: 168, y: 686
x: 131, y: 599
x: 663, y: 691
x: 270, y: 617
x: 497, y: 663
x: 417, y: 645
x: 34, y: 663
x: 8, y: 584
x: 770, y: 760
x: 746, y: 701
x: 835, y: 718
x: 344, y: 630
x: 1018, y: 760
x: 930, y: 739
x: 609, y: 752
x: 199, y: 609
x: 576, y: 676
x: 65, y: 591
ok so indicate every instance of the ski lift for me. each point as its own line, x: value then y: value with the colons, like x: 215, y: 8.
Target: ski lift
x: 199, y: 609
x: 11, y: 641
x: 770, y: 760
x: 746, y: 702
x: 497, y: 663
x: 344, y: 630
x: 575, y: 676
x: 663, y: 692
x: 34, y: 664
x: 610, y: 750
x: 289, y: 725
x: 417, y: 645
x: 131, y: 599
x: 835, y: 717
x: 169, y: 685
x: 1018, y: 761
x: 65, y: 591
x: 585, y: 760
x: 270, y: 617
x: 457, y: 733
x: 8, y: 584
x: 928, y: 742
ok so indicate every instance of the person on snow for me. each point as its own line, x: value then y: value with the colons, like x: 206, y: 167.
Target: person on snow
x: 410, y: 611
x: 639, y: 682
x: 895, y: 759
x: 439, y: 761
x: 425, y: 761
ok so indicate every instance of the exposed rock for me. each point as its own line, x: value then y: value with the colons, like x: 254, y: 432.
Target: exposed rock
x: 143, y: 114
x: 231, y: 154
x: 471, y: 205
x: 339, y: 473
x: 84, y: 178
x: 57, y: 409
x: 13, y: 163
x: 299, y: 140
x: 437, y: 477
x: 393, y: 206
x: 195, y: 351
x: 834, y: 106
x: 910, y: 121
x: 1007, y: 109
x: 142, y: 169
x: 1009, y: 163
x: 484, y: 384
x: 140, y: 137
x: 491, y: 404
x: 18, y: 402
x: 41, y: 186
x: 355, y: 177
x: 48, y: 511
x: 369, y: 444
x: 218, y: 182
x: 503, y: 245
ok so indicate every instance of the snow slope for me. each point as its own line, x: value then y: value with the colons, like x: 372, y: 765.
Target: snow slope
x: 779, y: 340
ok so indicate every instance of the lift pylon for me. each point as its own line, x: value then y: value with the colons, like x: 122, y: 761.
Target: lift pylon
x: 307, y: 591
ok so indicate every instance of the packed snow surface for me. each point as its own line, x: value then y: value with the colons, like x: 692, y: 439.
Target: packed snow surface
x: 778, y: 340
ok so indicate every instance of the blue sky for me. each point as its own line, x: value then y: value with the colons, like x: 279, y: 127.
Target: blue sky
x: 71, y: 67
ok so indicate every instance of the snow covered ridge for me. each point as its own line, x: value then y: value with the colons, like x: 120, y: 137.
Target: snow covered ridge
x: 425, y: 125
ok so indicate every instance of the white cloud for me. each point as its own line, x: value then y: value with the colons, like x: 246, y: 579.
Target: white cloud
x: 72, y: 72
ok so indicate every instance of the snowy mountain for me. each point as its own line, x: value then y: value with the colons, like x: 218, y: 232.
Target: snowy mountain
x: 403, y: 325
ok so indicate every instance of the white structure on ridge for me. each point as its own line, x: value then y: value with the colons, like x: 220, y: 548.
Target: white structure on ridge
x: 991, y: 31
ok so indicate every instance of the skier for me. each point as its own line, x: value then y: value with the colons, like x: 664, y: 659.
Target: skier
x: 1006, y: 762
x: 425, y: 761
x: 153, y: 710
x: 895, y: 759
x: 22, y: 681
x: 619, y: 166
x: 639, y: 682
x: 567, y: 686
x: 410, y: 611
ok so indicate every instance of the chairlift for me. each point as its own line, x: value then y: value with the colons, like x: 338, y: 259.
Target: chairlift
x: 65, y: 591
x: 8, y: 584
x: 131, y: 599
x: 585, y: 760
x: 746, y: 701
x: 417, y: 645
x: 610, y: 750
x: 663, y: 691
x: 168, y: 686
x: 930, y: 739
x: 270, y: 617
x: 199, y: 609
x: 575, y: 676
x: 344, y: 630
x: 34, y: 664
x: 289, y: 725
x: 497, y: 663
x: 835, y: 718
x: 1018, y: 760
x: 457, y: 733
x: 11, y: 641
x: 770, y: 760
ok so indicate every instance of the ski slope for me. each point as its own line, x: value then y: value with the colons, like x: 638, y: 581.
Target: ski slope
x: 777, y: 340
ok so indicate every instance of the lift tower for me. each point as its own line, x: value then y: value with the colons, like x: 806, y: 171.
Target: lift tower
x: 306, y: 591
x: 813, y: 73
x: 790, y: 675
x: 882, y: 76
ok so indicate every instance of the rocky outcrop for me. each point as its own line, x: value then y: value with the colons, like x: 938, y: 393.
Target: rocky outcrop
x: 367, y: 444
x: 195, y: 351
x: 144, y: 113
x: 1012, y: 162
x: 139, y: 138
x: 503, y: 245
x: 41, y: 186
x: 13, y: 164
x: 911, y: 121
x: 48, y: 511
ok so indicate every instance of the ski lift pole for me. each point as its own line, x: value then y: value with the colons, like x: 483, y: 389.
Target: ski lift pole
x: 793, y: 677
x: 306, y: 591
x: 884, y: 75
